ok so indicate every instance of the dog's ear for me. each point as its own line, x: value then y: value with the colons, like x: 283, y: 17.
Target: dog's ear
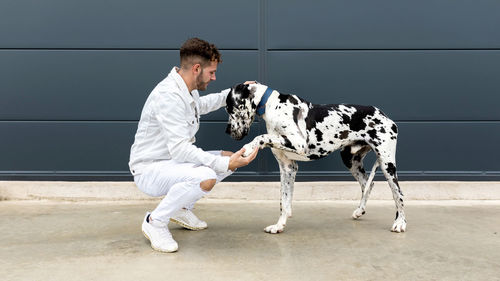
x: 246, y: 91
x: 252, y: 89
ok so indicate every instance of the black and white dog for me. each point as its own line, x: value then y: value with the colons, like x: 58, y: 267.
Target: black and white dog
x: 298, y: 130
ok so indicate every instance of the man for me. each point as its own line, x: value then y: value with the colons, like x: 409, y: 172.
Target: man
x: 164, y: 159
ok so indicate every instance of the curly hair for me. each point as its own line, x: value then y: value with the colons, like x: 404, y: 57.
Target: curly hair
x: 196, y: 50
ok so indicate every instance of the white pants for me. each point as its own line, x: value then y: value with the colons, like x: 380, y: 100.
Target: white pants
x: 178, y: 182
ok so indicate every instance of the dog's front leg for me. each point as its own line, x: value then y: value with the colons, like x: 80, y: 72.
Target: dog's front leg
x: 275, y: 141
x: 288, y: 170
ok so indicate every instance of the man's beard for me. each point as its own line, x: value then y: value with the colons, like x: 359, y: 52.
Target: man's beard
x: 200, y: 85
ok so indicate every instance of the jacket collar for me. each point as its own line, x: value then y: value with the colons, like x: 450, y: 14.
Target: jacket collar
x: 185, y: 94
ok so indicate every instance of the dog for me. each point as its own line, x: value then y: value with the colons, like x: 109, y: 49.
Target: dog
x: 298, y: 130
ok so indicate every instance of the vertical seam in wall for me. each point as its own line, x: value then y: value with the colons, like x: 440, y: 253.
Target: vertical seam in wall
x: 262, y: 75
x: 262, y: 70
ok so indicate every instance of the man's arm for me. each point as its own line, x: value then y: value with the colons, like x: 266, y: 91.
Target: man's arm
x: 170, y: 112
x: 212, y: 102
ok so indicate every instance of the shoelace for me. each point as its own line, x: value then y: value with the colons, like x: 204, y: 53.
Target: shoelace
x: 165, y: 233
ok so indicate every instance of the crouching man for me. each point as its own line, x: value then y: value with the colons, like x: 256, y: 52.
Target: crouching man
x: 164, y: 159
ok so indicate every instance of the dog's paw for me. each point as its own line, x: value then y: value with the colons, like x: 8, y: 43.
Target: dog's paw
x: 275, y: 228
x: 358, y: 213
x: 399, y: 225
x: 249, y: 148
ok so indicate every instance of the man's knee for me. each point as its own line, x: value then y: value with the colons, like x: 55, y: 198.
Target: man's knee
x: 207, y: 185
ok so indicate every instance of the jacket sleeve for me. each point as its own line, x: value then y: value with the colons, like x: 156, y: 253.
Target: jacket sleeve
x: 212, y: 102
x: 171, y: 114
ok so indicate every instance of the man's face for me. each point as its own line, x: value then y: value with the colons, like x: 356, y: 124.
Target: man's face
x: 206, y: 76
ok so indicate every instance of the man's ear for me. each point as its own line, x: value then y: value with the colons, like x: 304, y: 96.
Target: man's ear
x: 196, y: 68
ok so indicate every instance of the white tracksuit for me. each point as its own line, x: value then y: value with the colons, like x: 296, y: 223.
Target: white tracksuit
x: 163, y: 158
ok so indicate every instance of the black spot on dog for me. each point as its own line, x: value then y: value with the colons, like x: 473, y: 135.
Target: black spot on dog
x: 312, y: 146
x: 360, y: 142
x: 394, y: 128
x: 315, y: 157
x: 331, y: 142
x: 292, y: 100
x: 346, y: 119
x: 287, y: 143
x: 283, y: 98
x: 322, y: 151
x: 377, y: 121
x: 344, y: 134
x: 395, y: 180
x: 391, y: 169
x: 336, y: 136
x: 319, y: 135
x: 373, y: 134
x: 230, y: 103
x: 261, y: 142
x: 243, y: 90
x: 361, y: 170
x: 296, y: 111
x: 346, y: 156
x: 317, y: 114
x: 382, y: 130
x: 357, y: 123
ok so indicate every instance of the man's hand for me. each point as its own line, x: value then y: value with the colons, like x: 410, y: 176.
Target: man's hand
x: 237, y: 160
x: 250, y: 82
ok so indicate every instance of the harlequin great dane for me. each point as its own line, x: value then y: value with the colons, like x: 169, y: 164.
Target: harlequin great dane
x: 298, y: 130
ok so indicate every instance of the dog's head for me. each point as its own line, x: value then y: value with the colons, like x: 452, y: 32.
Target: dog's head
x: 241, y: 108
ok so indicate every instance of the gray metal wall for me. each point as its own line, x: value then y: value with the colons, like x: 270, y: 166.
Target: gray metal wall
x: 74, y: 76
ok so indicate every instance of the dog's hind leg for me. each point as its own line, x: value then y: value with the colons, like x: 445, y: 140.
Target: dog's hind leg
x: 387, y: 159
x: 288, y: 170
x: 368, y: 188
x: 354, y: 161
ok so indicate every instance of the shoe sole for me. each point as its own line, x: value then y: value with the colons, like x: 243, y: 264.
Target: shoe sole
x: 185, y: 225
x: 154, y: 248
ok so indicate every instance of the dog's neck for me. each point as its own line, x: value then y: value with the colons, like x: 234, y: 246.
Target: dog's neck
x: 259, y: 91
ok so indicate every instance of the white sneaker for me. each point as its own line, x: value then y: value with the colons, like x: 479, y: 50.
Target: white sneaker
x: 187, y: 219
x: 159, y: 235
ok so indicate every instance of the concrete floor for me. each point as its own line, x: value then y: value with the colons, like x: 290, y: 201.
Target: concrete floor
x: 446, y: 240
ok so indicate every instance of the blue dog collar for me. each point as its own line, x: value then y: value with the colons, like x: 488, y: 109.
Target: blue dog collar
x: 261, y: 108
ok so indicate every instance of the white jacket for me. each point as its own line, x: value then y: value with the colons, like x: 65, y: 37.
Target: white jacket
x: 169, y: 121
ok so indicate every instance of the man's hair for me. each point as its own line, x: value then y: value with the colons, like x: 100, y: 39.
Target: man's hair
x: 196, y: 50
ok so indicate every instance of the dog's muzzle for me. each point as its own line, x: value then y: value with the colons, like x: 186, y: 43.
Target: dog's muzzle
x: 236, y: 134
